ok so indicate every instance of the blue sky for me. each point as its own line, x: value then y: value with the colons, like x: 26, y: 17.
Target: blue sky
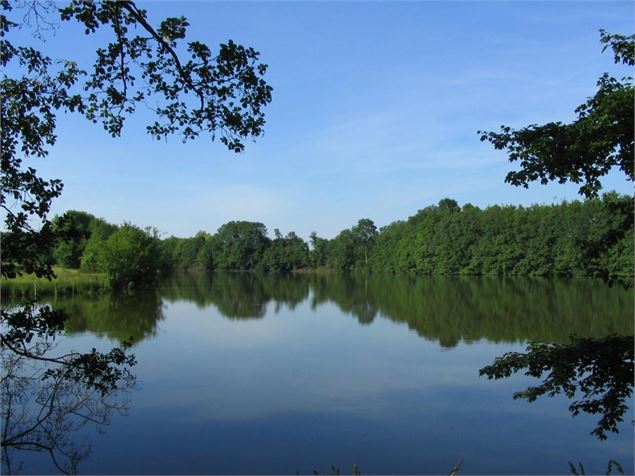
x: 375, y: 112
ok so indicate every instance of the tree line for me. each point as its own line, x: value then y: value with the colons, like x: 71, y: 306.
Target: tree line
x: 578, y: 238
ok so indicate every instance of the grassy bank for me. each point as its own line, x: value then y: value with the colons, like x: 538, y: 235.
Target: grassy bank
x: 67, y: 281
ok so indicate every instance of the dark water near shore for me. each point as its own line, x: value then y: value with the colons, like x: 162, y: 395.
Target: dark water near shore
x: 259, y: 374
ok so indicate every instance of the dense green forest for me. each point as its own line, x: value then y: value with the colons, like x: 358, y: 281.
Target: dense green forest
x: 579, y: 238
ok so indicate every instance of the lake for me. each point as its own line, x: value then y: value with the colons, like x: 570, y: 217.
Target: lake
x: 240, y: 373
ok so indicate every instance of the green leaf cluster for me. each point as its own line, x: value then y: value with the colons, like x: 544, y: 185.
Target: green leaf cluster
x: 590, y: 238
x: 583, y: 151
x: 285, y: 254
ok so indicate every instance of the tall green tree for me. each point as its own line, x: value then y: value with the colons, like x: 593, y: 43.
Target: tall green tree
x: 343, y: 251
x: 364, y: 234
x: 240, y: 245
x: 319, y: 250
x: 73, y: 230
x: 100, y: 231
x: 131, y: 257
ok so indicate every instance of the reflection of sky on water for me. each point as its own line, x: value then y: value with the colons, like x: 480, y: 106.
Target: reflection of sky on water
x: 300, y: 361
x: 306, y: 388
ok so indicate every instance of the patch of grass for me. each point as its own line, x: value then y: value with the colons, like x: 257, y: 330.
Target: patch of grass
x: 67, y: 281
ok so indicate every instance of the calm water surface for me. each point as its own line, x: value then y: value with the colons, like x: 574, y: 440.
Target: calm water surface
x: 246, y: 374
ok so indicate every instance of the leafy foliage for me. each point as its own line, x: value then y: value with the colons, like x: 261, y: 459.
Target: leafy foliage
x: 226, y: 86
x: 285, y: 254
x: 28, y: 115
x: 583, y: 151
x: 600, y: 369
x: 364, y: 235
x: 99, y: 232
x: 73, y: 231
x: 240, y: 245
x: 130, y: 257
x: 351, y: 247
x: 319, y: 250
x: 591, y: 238
x: 220, y: 94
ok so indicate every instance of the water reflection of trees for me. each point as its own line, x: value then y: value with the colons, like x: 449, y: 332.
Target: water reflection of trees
x: 121, y: 317
x: 351, y: 294
x: 47, y: 399
x: 598, y: 372
x: 450, y: 309
x: 444, y: 309
x: 238, y: 295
